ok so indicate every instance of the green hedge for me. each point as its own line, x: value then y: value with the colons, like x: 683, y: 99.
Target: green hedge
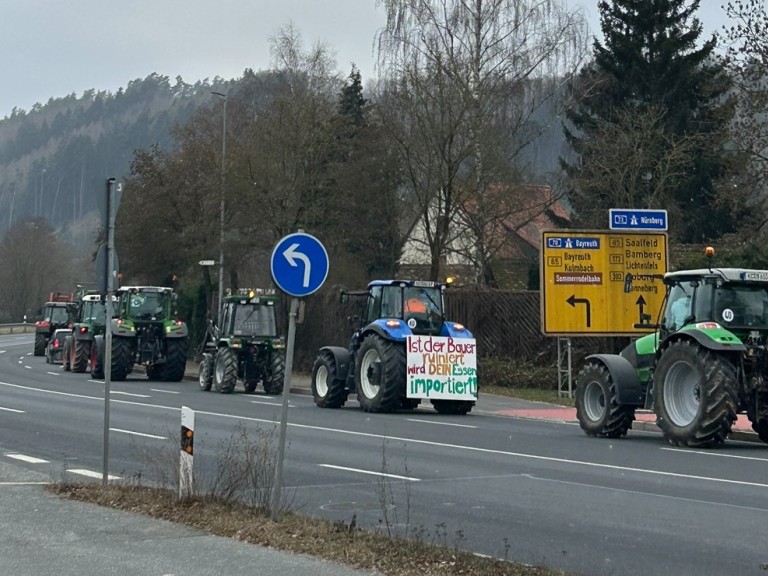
x: 515, y: 374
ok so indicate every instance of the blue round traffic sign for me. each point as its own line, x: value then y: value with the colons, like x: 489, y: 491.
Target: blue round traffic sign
x: 299, y: 264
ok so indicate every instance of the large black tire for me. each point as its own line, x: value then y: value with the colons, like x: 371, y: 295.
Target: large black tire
x: 40, y: 344
x: 97, y: 358
x: 695, y: 395
x: 597, y: 408
x: 175, y: 359
x: 380, y: 374
x: 65, y: 355
x: 328, y: 390
x: 759, y: 420
x: 205, y: 372
x: 275, y: 378
x: 80, y: 355
x: 225, y: 371
x: 455, y: 407
x: 122, y: 355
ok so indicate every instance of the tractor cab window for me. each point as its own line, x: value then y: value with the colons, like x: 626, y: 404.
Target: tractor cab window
x: 373, y: 305
x: 679, y: 307
x: 255, y: 320
x: 58, y: 315
x: 391, y: 302
x: 147, y: 305
x: 741, y: 305
x: 94, y: 312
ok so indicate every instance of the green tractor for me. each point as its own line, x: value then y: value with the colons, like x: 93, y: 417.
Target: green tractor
x: 705, y: 363
x: 145, y: 332
x: 245, y: 346
x: 79, y: 349
x: 402, y: 351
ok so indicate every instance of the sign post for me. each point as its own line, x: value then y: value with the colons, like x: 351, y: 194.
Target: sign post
x: 601, y: 283
x: 299, y: 267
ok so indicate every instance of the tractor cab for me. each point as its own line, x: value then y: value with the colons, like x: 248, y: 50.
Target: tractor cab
x: 250, y: 314
x: 419, y: 303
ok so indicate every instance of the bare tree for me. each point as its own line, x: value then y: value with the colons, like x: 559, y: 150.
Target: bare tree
x: 747, y: 56
x: 502, y: 61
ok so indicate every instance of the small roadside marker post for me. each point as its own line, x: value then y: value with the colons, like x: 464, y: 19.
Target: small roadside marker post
x: 187, y: 450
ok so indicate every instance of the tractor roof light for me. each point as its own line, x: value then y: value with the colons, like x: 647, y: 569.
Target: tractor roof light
x: 709, y: 251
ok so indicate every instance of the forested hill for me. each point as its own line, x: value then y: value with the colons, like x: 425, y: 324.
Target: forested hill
x: 55, y: 158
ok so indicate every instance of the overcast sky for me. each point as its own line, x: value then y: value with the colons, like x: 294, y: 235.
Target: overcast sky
x: 52, y: 48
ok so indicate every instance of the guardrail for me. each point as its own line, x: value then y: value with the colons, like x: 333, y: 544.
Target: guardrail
x: 21, y: 328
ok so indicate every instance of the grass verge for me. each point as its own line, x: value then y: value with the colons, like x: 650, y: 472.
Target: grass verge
x: 334, y: 541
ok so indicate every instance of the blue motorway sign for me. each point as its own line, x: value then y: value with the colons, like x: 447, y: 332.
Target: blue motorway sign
x: 637, y: 219
x: 299, y: 264
x: 573, y: 242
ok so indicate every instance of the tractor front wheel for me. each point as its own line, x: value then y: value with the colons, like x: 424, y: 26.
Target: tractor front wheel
x: 380, y: 374
x: 328, y: 390
x: 225, y: 371
x: 97, y: 358
x: 205, y: 372
x: 695, y: 395
x: 122, y: 354
x: 175, y: 359
x: 597, y: 407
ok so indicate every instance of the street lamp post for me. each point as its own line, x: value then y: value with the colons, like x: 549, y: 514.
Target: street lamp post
x: 221, y: 198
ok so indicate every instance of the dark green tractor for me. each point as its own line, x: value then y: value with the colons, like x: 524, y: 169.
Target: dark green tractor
x: 245, y: 346
x: 704, y: 365
x: 145, y: 331
x: 402, y: 351
x: 79, y: 348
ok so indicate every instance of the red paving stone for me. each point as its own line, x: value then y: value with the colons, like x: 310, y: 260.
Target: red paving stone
x: 569, y: 415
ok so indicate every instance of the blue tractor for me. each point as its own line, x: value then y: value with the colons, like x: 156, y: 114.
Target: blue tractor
x: 402, y: 351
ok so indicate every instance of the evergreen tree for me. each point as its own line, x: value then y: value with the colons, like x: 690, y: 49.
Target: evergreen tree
x: 649, y: 79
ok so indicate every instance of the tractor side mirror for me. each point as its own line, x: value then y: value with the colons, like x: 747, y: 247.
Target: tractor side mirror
x: 353, y: 320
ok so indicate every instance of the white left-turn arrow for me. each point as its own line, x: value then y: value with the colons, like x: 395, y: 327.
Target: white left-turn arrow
x: 291, y: 254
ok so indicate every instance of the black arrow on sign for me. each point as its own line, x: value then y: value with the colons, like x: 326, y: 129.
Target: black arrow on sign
x: 573, y: 301
x: 644, y: 318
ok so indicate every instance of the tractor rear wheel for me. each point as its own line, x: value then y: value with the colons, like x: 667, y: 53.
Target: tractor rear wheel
x: 597, y: 407
x: 253, y: 373
x: 80, y: 355
x: 39, y: 344
x: 205, y: 372
x: 456, y: 407
x: 380, y: 374
x: 225, y: 371
x: 275, y: 378
x: 695, y: 395
x: 121, y: 358
x: 328, y: 390
x: 175, y: 359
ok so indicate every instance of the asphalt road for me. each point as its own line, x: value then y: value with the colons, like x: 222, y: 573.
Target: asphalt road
x: 533, y: 491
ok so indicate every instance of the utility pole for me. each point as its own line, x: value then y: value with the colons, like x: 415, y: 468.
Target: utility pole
x: 221, y: 198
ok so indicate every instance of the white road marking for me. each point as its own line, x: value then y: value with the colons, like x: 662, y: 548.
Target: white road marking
x: 382, y: 474
x: 414, y: 441
x: 164, y: 391
x: 268, y: 403
x: 25, y: 458
x: 130, y: 394
x: 27, y: 367
x: 715, y: 454
x: 2, y: 351
x: 54, y: 373
x: 23, y: 483
x: 440, y: 423
x: 139, y: 434
x: 12, y: 410
x: 92, y: 474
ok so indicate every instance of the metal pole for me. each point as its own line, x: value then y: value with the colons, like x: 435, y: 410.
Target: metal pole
x: 108, y: 332
x: 221, y: 198
x: 278, y: 481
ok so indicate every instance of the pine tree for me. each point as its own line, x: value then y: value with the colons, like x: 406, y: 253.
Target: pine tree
x: 651, y: 83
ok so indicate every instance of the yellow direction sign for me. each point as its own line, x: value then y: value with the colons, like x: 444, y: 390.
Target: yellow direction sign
x: 601, y: 283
